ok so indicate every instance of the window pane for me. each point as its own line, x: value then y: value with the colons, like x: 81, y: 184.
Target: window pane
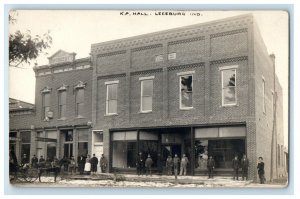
x: 62, y: 110
x: 112, y: 91
x: 146, y: 103
x: 229, y: 95
x: 51, y: 150
x: 228, y: 78
x: 112, y: 106
x: 69, y: 136
x: 82, y: 135
x: 80, y: 95
x: 118, y: 157
x: 80, y: 109
x: 186, y: 89
x: 147, y: 88
x: 46, y: 99
x: 47, y: 109
x: 62, y: 97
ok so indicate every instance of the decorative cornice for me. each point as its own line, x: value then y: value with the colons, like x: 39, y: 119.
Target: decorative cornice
x: 63, y: 87
x: 186, y: 40
x: 221, y: 34
x: 46, y: 89
x: 146, y: 47
x: 172, y: 34
x: 147, y: 71
x: 180, y: 67
x: 80, y: 85
x: 112, y: 53
x: 112, y: 76
x: 233, y: 59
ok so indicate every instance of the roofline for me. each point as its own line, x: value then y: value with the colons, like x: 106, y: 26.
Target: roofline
x: 61, y: 64
x: 172, y: 29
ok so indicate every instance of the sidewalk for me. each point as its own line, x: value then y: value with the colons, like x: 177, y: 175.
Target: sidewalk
x: 219, y: 181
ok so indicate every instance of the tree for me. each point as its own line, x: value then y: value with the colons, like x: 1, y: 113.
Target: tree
x: 23, y: 47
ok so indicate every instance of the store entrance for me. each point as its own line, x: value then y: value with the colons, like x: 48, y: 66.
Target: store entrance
x: 171, y: 150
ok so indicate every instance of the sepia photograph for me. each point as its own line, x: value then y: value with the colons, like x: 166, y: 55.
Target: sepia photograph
x: 148, y: 98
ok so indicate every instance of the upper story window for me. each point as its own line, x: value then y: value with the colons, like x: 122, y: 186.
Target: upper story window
x: 62, y: 103
x: 111, y: 97
x: 229, y: 96
x: 80, y: 98
x: 264, y: 94
x: 146, y: 93
x: 186, y: 90
x: 45, y: 103
x: 79, y: 102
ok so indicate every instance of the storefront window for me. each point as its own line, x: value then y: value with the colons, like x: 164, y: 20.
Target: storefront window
x: 82, y: 142
x: 51, y: 146
x: 124, y: 149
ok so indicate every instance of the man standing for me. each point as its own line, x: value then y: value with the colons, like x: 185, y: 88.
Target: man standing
x: 72, y: 166
x: 183, y: 164
x: 210, y: 167
x: 245, y: 165
x: 235, y: 166
x: 175, y: 164
x: 94, y: 163
x: 139, y: 164
x: 261, y: 170
x: 148, y: 164
x: 24, y: 160
x: 103, y: 163
x: 34, y: 161
x: 169, y: 165
x: 42, y: 161
x: 81, y: 162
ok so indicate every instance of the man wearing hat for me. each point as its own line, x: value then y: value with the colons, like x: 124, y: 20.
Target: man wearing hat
x: 148, y: 164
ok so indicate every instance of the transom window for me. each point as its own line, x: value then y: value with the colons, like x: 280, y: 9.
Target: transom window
x: 229, y: 87
x: 46, y: 105
x: 111, y: 97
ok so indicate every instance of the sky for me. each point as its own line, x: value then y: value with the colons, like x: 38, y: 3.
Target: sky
x: 75, y: 31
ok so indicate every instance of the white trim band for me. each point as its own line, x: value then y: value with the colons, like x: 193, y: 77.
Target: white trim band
x: 146, y: 78
x: 185, y: 73
x: 112, y: 82
x: 228, y: 67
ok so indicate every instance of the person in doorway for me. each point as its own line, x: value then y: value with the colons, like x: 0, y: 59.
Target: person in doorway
x: 210, y: 167
x: 235, y: 166
x: 176, y: 165
x: 159, y: 164
x: 148, y: 165
x: 81, y: 163
x: 72, y: 166
x: 103, y: 163
x: 65, y: 162
x: 261, y: 170
x: 169, y: 165
x: 140, y: 164
x: 245, y: 166
x: 34, y: 161
x: 87, y: 166
x: 183, y: 164
x: 94, y: 163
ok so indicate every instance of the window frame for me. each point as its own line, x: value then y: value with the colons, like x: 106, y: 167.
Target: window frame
x: 184, y: 74
x: 106, y: 100
x: 77, y: 103
x: 60, y: 104
x: 222, y: 69
x: 142, y: 80
x: 44, y: 107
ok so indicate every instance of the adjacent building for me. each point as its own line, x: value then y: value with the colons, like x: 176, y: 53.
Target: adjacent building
x: 205, y: 89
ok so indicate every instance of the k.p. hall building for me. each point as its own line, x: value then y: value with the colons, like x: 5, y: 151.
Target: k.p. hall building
x: 206, y: 87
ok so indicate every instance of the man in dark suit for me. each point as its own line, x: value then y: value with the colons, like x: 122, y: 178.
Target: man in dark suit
x: 261, y: 170
x: 235, y: 166
x: 245, y: 166
x: 210, y: 167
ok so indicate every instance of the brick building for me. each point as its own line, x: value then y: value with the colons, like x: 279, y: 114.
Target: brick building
x: 205, y: 89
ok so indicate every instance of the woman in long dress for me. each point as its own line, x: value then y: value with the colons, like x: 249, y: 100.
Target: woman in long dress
x: 87, y: 166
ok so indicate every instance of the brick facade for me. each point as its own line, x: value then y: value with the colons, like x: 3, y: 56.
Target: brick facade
x: 201, y: 50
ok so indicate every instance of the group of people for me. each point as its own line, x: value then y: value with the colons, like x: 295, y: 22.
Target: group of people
x: 145, y: 166
x: 243, y: 164
x: 86, y: 165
